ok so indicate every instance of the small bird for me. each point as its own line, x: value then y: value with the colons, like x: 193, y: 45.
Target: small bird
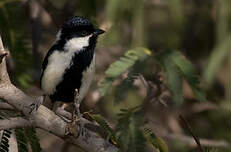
x: 70, y: 62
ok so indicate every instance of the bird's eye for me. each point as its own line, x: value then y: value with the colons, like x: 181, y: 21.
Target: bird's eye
x: 84, y: 33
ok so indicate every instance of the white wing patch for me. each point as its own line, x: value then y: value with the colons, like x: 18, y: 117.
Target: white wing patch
x: 59, y: 61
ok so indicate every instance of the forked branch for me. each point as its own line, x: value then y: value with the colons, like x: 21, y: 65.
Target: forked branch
x: 44, y: 118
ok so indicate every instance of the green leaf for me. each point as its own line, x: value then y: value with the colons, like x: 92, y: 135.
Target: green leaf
x: 177, y: 66
x: 122, y: 65
x: 128, y: 130
x: 4, y: 143
x: 105, y: 126
x: 33, y: 139
x: 121, y: 91
x: 157, y: 142
x: 105, y: 85
x: 11, y: 28
x: 174, y: 78
x: 21, y: 140
x: 189, y: 73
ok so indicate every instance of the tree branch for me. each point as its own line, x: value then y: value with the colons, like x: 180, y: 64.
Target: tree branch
x: 6, y: 106
x: 14, y: 123
x: 4, y: 77
x: 46, y: 119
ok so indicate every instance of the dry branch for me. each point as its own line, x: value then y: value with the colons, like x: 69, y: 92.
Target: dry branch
x: 44, y: 118
x: 6, y: 106
x: 12, y: 123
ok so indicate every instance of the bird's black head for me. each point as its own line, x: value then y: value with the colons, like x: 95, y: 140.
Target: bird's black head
x: 78, y: 26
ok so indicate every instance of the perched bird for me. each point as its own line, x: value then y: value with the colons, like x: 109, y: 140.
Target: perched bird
x: 70, y: 62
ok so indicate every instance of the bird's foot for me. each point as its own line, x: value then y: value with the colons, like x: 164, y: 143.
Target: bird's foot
x: 76, y: 127
x: 34, y: 106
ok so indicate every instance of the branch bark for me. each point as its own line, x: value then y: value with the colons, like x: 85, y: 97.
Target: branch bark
x: 12, y: 123
x: 44, y: 118
x: 6, y: 106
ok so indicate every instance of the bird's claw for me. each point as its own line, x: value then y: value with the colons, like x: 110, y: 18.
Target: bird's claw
x: 34, y: 106
x: 75, y: 128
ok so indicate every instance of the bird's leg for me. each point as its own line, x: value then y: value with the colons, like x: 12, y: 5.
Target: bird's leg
x: 76, y: 116
x: 77, y: 104
x: 38, y: 101
x: 76, y: 124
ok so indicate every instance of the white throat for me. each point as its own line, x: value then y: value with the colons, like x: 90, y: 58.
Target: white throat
x: 77, y: 44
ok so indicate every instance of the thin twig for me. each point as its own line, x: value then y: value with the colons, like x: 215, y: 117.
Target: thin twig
x: 188, y: 127
x: 144, y: 82
x: 191, y: 142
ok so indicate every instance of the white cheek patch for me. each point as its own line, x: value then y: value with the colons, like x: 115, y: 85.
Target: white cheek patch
x: 77, y: 43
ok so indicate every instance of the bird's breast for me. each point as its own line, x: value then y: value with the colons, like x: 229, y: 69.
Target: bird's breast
x: 58, y: 62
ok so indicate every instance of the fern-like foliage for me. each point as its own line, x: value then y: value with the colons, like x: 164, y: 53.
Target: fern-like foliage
x: 178, y: 67
x: 6, y: 134
x: 27, y: 139
x: 33, y: 139
x: 128, y: 130
x: 105, y: 127
x: 157, y: 142
x: 121, y: 90
x: 122, y: 65
x: 4, y: 144
x: 12, y: 27
x: 21, y: 140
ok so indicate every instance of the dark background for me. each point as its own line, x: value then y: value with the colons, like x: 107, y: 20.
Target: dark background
x: 200, y: 29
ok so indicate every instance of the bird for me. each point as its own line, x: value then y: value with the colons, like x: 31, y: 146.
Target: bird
x: 69, y: 64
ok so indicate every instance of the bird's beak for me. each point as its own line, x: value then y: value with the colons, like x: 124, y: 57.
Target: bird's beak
x: 98, y: 32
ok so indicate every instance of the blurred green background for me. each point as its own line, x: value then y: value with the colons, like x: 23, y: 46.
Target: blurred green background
x: 199, y: 29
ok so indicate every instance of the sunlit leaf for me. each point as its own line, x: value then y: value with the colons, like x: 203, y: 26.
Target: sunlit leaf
x: 105, y: 126
x: 174, y: 78
x: 122, y: 65
x: 157, y: 142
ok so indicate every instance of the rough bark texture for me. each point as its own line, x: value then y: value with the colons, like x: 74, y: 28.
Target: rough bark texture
x: 44, y: 118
